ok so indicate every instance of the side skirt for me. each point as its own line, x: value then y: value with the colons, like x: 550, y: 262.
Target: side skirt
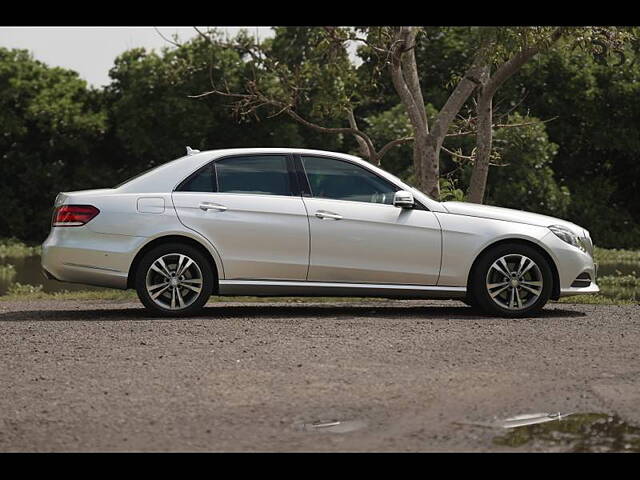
x: 270, y: 288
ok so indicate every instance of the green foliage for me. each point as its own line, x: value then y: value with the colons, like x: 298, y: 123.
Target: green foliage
x: 14, y: 248
x: 616, y: 256
x: 311, y: 66
x: 50, y: 126
x: 389, y: 125
x: 619, y: 288
x: 449, y: 191
x: 153, y: 118
x: 19, y: 289
x: 526, y: 181
x: 597, y: 106
x: 59, y: 135
x: 609, y: 281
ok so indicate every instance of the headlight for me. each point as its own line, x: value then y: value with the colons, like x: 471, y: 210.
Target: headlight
x: 566, y: 235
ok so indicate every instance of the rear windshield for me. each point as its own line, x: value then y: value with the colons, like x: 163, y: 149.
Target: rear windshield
x: 145, y: 172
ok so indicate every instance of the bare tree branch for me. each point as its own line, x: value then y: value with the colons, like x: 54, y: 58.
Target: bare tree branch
x: 502, y: 125
x: 458, y: 97
x: 393, y: 143
x: 400, y: 84
x: 362, y: 145
x: 206, y: 37
x: 511, y: 66
x: 410, y: 72
x: 166, y: 39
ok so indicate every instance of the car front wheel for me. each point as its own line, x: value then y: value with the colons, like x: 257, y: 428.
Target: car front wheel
x: 174, y: 280
x: 512, y: 280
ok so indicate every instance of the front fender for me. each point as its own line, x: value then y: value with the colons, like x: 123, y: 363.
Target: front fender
x: 465, y: 237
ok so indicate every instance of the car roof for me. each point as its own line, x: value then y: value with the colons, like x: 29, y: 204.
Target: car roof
x: 165, y: 176
x: 285, y: 150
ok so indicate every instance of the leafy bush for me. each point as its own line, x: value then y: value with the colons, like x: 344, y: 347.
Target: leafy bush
x: 526, y: 182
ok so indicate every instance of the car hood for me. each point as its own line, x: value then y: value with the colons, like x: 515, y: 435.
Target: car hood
x: 510, y: 215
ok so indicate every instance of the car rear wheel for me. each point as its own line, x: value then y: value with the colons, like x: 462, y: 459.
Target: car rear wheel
x: 512, y: 280
x: 469, y: 301
x: 174, y: 280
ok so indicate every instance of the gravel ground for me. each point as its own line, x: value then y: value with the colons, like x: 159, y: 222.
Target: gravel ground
x: 399, y: 375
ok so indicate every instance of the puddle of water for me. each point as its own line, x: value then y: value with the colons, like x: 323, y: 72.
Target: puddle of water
x: 531, y: 419
x: 574, y: 432
x: 333, y: 426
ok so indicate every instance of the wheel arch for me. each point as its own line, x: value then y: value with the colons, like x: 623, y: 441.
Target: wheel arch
x: 173, y: 238
x: 555, y: 288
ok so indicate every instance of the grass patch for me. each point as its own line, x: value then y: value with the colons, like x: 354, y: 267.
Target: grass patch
x: 613, y: 256
x: 19, y: 291
x: 614, y: 290
x: 10, y: 247
x: 618, y: 281
x: 596, y: 299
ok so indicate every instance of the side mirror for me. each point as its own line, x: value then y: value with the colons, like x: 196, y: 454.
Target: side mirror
x: 403, y: 199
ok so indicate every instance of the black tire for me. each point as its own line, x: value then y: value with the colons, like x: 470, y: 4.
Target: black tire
x: 469, y: 301
x: 479, y: 291
x: 197, y: 300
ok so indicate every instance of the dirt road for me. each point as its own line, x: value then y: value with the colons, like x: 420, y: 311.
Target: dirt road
x: 369, y: 376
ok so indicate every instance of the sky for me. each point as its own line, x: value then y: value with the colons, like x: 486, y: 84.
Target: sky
x: 90, y: 51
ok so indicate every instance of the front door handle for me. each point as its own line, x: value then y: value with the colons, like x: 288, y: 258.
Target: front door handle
x: 322, y: 214
x: 212, y: 206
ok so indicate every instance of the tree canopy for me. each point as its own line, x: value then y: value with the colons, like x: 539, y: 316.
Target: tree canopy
x: 568, y: 149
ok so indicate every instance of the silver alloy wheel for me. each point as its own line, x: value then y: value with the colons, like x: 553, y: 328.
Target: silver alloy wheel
x: 174, y: 281
x: 514, y: 282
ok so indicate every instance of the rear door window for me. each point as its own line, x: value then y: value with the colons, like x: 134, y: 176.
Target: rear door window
x: 255, y: 174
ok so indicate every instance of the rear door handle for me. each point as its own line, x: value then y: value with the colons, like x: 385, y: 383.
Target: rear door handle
x: 322, y: 214
x: 212, y: 206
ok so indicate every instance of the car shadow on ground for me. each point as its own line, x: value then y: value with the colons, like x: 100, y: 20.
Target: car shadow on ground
x: 214, y: 312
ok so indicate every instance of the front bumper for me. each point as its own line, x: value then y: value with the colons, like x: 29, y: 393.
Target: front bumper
x: 571, y: 262
x: 566, y: 292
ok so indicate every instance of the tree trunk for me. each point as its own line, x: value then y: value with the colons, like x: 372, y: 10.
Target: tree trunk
x: 423, y: 172
x: 436, y: 136
x: 431, y: 172
x: 489, y: 86
x: 484, y: 139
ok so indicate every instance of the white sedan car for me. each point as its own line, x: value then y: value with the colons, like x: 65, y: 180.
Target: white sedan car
x: 286, y: 222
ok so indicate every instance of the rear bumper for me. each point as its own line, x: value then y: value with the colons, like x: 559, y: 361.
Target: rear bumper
x: 47, y: 275
x: 79, y: 255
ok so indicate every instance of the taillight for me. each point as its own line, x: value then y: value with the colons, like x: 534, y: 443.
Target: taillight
x: 73, y: 215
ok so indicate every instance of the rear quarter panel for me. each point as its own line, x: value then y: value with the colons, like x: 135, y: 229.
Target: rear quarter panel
x: 147, y: 216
